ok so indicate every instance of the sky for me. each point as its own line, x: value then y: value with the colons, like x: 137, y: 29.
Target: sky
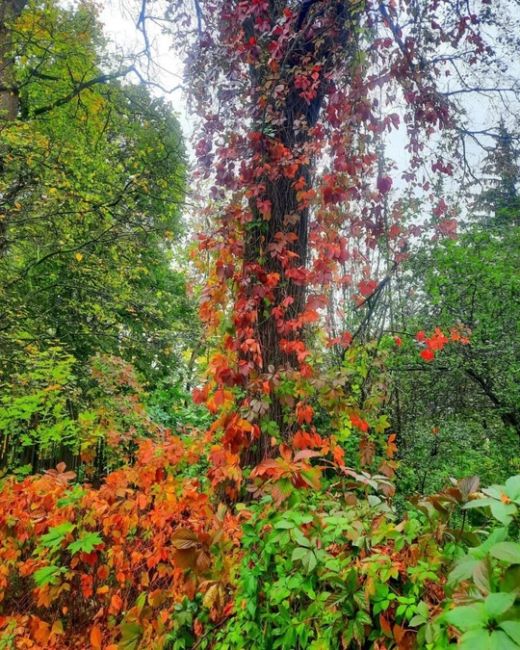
x: 119, y: 21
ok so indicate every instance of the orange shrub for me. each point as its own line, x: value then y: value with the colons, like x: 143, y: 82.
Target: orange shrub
x: 111, y: 564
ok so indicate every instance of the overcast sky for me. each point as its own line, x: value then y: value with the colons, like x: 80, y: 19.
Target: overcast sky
x: 119, y: 19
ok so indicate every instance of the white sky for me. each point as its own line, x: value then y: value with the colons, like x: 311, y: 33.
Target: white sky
x: 119, y: 18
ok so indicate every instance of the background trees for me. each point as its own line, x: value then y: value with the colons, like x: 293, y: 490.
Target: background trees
x: 92, y: 184
x: 463, y: 405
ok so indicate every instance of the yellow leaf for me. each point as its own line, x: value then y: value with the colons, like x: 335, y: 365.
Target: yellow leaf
x: 211, y: 596
x: 52, y: 387
x: 57, y: 627
x: 79, y: 256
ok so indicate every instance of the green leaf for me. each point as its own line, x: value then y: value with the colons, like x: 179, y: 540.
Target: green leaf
x: 494, y: 491
x: 307, y: 557
x: 500, y: 641
x: 496, y: 536
x: 86, y: 543
x: 300, y: 538
x: 512, y: 629
x: 478, y: 503
x: 513, y: 487
x: 468, y: 617
x: 47, y: 575
x: 416, y: 620
x: 511, y: 578
x: 72, y: 497
x: 423, y: 610
x: 503, y: 512
x: 497, y: 604
x: 506, y: 551
x: 463, y: 570
x: 130, y: 636
x: 55, y: 536
x: 475, y: 640
x: 298, y: 553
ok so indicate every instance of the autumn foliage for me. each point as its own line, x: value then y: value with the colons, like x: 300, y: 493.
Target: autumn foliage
x: 76, y: 560
x: 275, y: 527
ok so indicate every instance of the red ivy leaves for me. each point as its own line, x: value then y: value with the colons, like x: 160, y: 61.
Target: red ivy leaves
x: 293, y: 466
x: 427, y: 355
x: 359, y: 423
x: 437, y: 341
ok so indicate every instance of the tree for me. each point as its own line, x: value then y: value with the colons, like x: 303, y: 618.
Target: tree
x: 295, y: 98
x: 501, y: 198
x: 9, y: 11
x: 459, y: 412
x: 91, y: 192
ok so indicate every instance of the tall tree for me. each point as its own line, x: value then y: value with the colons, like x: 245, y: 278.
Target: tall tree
x: 294, y: 98
x: 9, y: 11
x: 500, y: 201
x: 92, y: 185
x: 91, y: 197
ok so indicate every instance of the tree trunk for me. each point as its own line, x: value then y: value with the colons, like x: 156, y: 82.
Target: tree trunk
x: 9, y: 10
x: 287, y: 216
x: 509, y: 416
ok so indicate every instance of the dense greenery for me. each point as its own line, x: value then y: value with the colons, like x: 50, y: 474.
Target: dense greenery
x: 459, y: 414
x: 335, y: 463
x: 92, y: 189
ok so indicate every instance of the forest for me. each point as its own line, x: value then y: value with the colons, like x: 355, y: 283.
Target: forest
x: 259, y: 326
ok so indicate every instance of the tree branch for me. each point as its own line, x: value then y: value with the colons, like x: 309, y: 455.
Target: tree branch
x: 80, y: 87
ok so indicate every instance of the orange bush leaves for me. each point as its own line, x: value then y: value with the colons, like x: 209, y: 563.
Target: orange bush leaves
x: 161, y: 540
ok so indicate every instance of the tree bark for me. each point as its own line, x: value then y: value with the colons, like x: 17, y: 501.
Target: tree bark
x: 287, y: 215
x: 9, y: 10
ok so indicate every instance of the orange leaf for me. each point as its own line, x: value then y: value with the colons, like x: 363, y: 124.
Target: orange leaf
x: 385, y: 625
x: 399, y: 633
x: 116, y: 604
x: 96, y: 637
x: 40, y: 630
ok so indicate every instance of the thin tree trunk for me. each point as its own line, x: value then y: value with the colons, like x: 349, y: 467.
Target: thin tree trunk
x: 9, y: 10
x: 509, y: 416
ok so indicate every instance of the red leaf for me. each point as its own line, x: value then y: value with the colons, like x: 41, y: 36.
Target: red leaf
x: 384, y: 184
x: 428, y: 355
x: 367, y: 287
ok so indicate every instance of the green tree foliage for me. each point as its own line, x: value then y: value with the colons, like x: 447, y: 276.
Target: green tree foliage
x: 460, y: 413
x: 92, y: 179
x: 500, y: 201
